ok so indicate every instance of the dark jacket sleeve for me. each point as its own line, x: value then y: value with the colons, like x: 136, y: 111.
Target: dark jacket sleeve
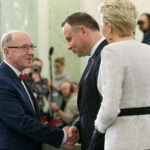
x: 13, y: 115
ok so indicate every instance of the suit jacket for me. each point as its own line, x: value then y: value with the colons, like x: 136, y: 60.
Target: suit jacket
x: 125, y: 83
x: 20, y: 128
x: 146, y: 38
x: 89, y: 98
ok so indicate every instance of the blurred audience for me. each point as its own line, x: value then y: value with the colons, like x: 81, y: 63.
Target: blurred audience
x: 70, y: 112
x: 59, y: 75
x: 75, y: 86
x: 40, y: 88
x: 144, y: 25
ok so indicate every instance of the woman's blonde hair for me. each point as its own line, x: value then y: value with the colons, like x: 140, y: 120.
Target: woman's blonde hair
x: 121, y: 14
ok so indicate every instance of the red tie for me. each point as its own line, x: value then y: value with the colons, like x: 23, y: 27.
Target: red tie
x: 23, y: 77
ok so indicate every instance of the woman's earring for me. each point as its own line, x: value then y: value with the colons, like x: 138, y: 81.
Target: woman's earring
x: 109, y: 36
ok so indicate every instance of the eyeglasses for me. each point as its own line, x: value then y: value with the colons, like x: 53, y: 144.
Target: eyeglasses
x: 32, y: 47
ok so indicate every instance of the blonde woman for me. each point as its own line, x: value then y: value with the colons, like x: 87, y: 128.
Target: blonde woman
x: 124, y: 80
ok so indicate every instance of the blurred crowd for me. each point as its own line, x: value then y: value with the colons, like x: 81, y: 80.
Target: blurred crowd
x: 57, y: 106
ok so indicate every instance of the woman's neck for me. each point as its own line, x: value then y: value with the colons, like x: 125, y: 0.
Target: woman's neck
x: 118, y: 38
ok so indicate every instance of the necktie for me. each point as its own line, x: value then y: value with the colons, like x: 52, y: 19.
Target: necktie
x: 23, y: 77
x: 86, y: 71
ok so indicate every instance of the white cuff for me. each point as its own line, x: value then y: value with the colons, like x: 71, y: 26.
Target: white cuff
x: 65, y: 137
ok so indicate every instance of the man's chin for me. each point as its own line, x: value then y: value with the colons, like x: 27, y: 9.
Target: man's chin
x: 29, y: 65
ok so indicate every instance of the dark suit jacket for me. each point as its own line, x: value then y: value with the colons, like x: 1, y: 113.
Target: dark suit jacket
x: 89, y: 98
x: 146, y: 38
x: 20, y: 128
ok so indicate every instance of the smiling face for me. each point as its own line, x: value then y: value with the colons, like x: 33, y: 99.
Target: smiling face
x: 18, y: 57
x: 76, y: 39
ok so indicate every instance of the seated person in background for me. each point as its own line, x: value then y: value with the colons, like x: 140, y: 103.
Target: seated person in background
x: 59, y: 75
x: 40, y: 88
x: 144, y: 25
x: 70, y: 112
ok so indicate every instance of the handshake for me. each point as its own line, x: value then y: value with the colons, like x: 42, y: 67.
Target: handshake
x: 72, y: 136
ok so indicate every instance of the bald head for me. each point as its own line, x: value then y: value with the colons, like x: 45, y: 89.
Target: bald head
x: 11, y: 37
x: 18, y: 49
x: 65, y: 89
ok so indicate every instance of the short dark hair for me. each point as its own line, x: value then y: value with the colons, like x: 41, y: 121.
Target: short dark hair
x: 148, y: 18
x: 81, y: 18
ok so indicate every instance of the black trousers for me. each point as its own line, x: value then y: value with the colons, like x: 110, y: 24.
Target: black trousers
x: 97, y: 142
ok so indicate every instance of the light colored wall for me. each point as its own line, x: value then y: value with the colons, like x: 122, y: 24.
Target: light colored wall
x: 20, y: 15
x: 42, y: 35
x: 57, y: 12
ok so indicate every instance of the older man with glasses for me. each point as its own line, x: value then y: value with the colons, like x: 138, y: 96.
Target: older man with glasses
x: 20, y: 127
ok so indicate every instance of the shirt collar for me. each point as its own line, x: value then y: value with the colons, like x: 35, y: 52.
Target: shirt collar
x: 95, y: 46
x: 13, y: 68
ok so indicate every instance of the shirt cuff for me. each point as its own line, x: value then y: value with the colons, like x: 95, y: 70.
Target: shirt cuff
x: 65, y: 137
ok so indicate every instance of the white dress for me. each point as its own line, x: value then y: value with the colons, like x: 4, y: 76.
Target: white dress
x: 124, y: 83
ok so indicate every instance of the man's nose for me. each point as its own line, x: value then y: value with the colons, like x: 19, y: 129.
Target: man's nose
x: 31, y: 51
x: 69, y: 47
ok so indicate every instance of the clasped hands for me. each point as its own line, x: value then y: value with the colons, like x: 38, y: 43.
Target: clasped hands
x: 72, y: 136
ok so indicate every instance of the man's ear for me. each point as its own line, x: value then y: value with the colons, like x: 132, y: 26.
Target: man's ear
x: 84, y: 30
x: 5, y: 51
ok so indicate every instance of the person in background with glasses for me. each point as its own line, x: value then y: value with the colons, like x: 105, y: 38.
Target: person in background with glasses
x: 144, y: 25
x: 20, y: 127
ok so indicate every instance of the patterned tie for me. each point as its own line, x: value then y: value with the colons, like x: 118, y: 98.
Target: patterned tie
x: 23, y: 77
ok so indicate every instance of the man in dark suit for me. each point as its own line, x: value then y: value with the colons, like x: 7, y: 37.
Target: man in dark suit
x: 144, y: 26
x: 82, y: 34
x: 20, y: 128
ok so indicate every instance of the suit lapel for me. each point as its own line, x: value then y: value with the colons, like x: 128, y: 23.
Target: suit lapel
x: 20, y: 89
x: 32, y: 97
x: 91, y: 63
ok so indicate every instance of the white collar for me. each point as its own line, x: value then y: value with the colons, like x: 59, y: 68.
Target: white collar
x: 96, y: 45
x: 13, y: 68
